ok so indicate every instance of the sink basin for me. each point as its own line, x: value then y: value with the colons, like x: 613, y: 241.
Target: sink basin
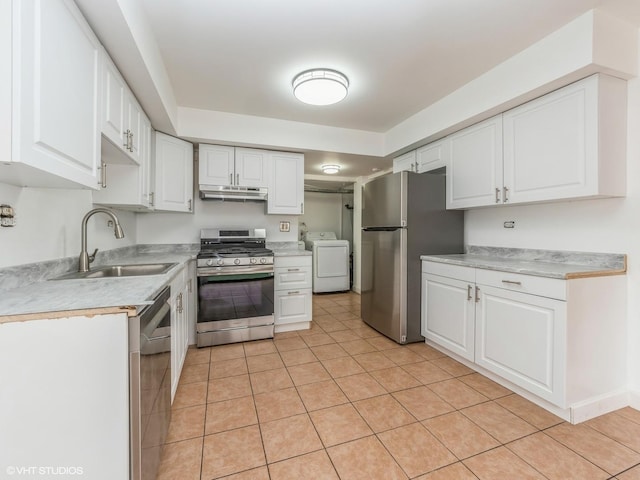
x: 110, y: 271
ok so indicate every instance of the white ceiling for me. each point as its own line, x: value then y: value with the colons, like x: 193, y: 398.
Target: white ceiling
x: 400, y: 56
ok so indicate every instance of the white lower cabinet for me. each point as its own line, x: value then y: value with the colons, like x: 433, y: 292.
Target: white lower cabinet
x: 293, y: 295
x: 182, y: 315
x: 521, y: 337
x: 67, y: 405
x: 450, y: 310
x: 559, y: 340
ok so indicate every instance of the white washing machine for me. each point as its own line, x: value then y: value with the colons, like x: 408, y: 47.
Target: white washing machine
x: 330, y: 261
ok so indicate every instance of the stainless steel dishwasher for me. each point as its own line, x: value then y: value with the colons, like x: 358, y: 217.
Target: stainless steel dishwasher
x: 149, y: 385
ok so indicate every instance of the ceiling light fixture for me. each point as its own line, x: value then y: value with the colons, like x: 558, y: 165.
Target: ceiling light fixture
x: 320, y: 86
x: 330, y: 169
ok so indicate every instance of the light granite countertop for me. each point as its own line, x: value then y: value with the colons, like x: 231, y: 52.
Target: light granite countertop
x: 288, y: 249
x: 50, y: 298
x: 541, y: 263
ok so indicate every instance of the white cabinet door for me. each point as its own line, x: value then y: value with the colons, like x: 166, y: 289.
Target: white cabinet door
x: 286, y: 183
x: 251, y: 167
x: 448, y: 313
x: 128, y: 186
x: 113, y: 95
x: 292, y: 306
x: 179, y: 327
x: 216, y: 165
x: 432, y: 156
x: 132, y: 127
x: 474, y: 174
x: 522, y: 338
x: 173, y: 174
x: 406, y: 162
x: 56, y: 114
x: 551, y: 144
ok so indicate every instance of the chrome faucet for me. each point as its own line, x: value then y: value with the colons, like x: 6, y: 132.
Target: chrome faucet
x: 85, y: 259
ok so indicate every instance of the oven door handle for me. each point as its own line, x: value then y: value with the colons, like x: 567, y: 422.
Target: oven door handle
x: 241, y: 272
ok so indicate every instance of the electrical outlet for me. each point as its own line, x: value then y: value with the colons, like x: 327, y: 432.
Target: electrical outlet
x: 285, y: 226
x: 6, y: 211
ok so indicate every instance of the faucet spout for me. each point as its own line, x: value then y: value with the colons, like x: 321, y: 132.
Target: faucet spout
x: 84, y: 260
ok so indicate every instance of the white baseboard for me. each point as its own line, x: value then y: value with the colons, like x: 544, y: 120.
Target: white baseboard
x: 594, y: 407
x: 577, y: 413
x: 290, y: 327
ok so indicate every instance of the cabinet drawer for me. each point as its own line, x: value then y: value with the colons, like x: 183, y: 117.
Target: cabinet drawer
x: 543, y: 287
x: 458, y: 272
x: 293, y: 306
x: 293, y: 261
x: 292, y: 278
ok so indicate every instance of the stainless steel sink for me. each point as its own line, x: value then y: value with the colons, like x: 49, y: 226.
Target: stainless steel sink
x: 110, y: 271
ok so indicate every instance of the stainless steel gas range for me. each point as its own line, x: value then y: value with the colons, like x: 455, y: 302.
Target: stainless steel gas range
x: 235, y: 286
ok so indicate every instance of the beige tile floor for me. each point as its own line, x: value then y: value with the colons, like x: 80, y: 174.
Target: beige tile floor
x: 340, y: 401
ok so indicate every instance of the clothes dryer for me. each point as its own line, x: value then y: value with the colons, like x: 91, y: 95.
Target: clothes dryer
x: 330, y: 261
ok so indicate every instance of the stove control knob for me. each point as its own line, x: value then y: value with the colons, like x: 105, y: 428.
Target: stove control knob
x: 209, y: 263
x: 254, y: 260
x: 237, y: 261
x: 263, y: 260
x: 220, y: 262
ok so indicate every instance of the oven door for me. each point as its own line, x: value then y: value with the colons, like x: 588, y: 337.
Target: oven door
x: 234, y: 306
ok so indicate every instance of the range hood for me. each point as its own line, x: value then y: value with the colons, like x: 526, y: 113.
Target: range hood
x: 231, y: 193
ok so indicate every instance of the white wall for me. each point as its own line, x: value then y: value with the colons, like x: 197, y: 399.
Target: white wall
x: 48, y: 225
x: 322, y: 213
x: 185, y: 228
x: 607, y: 225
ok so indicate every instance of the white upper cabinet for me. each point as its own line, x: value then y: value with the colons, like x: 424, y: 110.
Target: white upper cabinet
x: 173, y: 174
x: 431, y: 156
x: 216, y: 165
x: 286, y: 184
x: 128, y: 187
x: 406, y: 162
x: 251, y: 167
x: 243, y: 167
x: 122, y: 117
x: 567, y: 144
x: 474, y: 174
x: 54, y: 77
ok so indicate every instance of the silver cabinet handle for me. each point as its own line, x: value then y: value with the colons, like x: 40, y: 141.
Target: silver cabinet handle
x: 231, y: 179
x: 497, y: 195
x: 151, y: 198
x: 190, y: 204
x: 302, y: 207
x: 511, y: 282
x: 103, y: 175
x: 180, y: 303
x: 293, y: 270
x: 506, y: 194
x: 477, y: 294
x: 293, y: 293
x: 126, y: 139
x: 131, y: 142
x: 469, y: 288
x: 237, y: 179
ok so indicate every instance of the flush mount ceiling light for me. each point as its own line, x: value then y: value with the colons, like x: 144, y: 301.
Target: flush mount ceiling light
x: 320, y: 86
x: 330, y: 169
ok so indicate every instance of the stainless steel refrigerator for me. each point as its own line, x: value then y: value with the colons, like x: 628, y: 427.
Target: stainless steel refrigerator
x: 403, y: 217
